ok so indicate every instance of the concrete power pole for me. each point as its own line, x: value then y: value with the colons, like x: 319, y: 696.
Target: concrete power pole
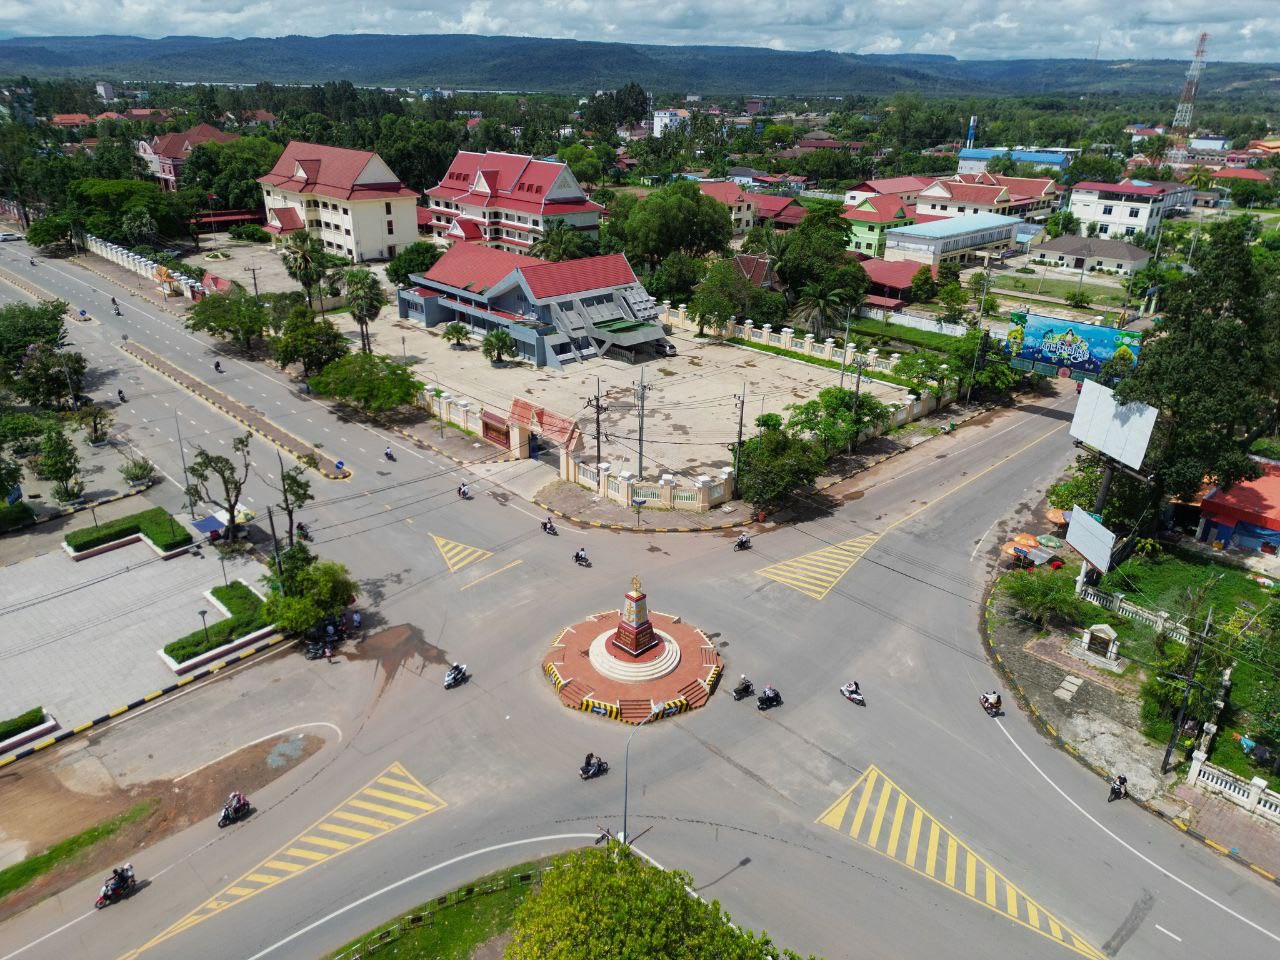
x: 742, y: 405
x: 594, y: 403
x: 641, y: 391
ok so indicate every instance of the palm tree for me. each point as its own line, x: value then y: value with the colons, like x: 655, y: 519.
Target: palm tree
x: 559, y: 241
x: 1200, y: 177
x: 365, y: 298
x: 456, y: 333
x: 498, y: 344
x: 304, y: 261
x: 820, y: 306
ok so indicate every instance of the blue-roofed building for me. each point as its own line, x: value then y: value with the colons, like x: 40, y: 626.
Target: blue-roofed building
x: 978, y: 236
x: 974, y: 159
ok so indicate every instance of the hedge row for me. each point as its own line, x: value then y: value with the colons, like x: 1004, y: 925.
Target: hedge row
x: 21, y: 723
x: 13, y: 516
x: 246, y: 617
x: 850, y: 368
x: 159, y: 526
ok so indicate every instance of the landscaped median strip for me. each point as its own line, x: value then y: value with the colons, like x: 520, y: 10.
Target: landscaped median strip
x: 325, y: 466
x: 118, y: 711
x: 1048, y: 730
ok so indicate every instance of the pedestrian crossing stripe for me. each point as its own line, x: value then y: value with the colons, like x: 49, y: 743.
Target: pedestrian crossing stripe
x: 391, y: 800
x: 876, y: 813
x: 458, y: 555
x: 814, y: 574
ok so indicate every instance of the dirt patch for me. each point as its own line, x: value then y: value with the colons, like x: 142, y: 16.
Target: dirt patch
x: 41, y: 808
x: 494, y: 947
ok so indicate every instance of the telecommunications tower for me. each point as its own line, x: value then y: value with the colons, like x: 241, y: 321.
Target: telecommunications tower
x: 1182, y: 116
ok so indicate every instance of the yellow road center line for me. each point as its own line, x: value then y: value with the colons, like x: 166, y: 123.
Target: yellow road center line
x: 513, y: 563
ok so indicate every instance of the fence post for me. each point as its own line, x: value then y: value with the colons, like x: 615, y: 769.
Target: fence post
x: 1198, y: 758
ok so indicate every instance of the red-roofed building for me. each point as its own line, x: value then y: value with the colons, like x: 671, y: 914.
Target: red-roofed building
x: 1242, y: 173
x: 871, y: 217
x: 508, y: 199
x: 905, y: 189
x: 71, y: 121
x: 741, y: 203
x: 1247, y: 515
x: 145, y: 114
x: 252, y: 118
x: 164, y: 155
x: 890, y: 285
x: 955, y: 198
x: 1131, y: 206
x: 350, y: 199
x: 557, y: 313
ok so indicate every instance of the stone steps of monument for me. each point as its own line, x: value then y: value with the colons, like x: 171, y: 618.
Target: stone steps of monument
x: 634, y: 711
x: 709, y: 656
x: 695, y: 693
x: 573, y: 692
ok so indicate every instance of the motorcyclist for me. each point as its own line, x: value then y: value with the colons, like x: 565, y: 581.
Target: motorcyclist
x: 388, y: 454
x: 236, y: 801
x: 851, y: 689
x: 743, y: 684
x: 33, y: 261
x: 304, y: 532
x: 581, y: 555
x: 743, y: 540
x: 455, y: 671
x: 1120, y: 785
x: 991, y: 700
x: 120, y: 395
x: 769, y: 691
x: 113, y: 299
x: 217, y: 366
x: 547, y: 525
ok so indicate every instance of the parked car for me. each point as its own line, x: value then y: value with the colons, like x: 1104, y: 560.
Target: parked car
x: 665, y: 348
x: 10, y: 236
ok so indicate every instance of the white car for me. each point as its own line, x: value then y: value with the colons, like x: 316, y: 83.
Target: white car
x: 10, y: 236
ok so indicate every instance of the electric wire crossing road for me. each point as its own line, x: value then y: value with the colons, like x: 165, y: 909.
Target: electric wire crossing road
x: 814, y: 574
x: 876, y: 812
x: 391, y: 800
x: 458, y: 555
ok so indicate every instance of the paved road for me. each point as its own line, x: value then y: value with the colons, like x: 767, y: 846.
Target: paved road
x: 758, y: 807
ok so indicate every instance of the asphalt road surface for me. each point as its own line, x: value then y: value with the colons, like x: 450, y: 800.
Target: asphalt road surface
x: 902, y: 829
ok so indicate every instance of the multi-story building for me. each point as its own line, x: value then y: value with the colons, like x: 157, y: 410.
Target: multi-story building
x: 558, y: 313
x: 974, y: 160
x: 741, y: 204
x: 350, y: 199
x: 979, y: 236
x: 974, y: 193
x: 905, y: 189
x: 165, y: 155
x: 507, y: 200
x: 105, y: 90
x: 1037, y: 196
x: 1128, y: 207
x: 664, y: 120
x: 871, y: 217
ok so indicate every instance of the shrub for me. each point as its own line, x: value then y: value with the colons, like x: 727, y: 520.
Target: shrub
x: 246, y: 617
x: 1268, y: 447
x: 1024, y: 270
x: 67, y: 490
x: 21, y: 723
x: 249, y: 231
x: 15, y: 516
x: 21, y: 426
x: 138, y: 470
x: 159, y: 526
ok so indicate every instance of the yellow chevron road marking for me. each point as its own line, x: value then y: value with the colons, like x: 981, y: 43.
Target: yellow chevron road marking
x: 458, y: 555
x: 875, y: 811
x: 814, y: 574
x: 397, y: 793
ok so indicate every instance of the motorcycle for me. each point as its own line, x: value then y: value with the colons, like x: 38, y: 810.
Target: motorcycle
x: 116, y: 311
x: 230, y: 814
x: 550, y: 528
x: 314, y: 649
x: 120, y: 395
x: 597, y: 768
x: 456, y: 676
x: 114, y: 889
x: 744, y: 689
x: 991, y: 706
x: 853, y: 695
x: 1118, y: 791
x: 581, y: 560
x: 742, y: 544
x: 304, y: 532
x: 768, y: 699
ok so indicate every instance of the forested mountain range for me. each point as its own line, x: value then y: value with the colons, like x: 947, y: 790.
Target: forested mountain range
x: 571, y: 66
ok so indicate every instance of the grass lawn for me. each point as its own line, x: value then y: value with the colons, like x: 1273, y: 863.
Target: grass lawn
x: 928, y: 339
x: 1161, y: 584
x: 469, y: 920
x: 1098, y: 294
x: 880, y: 375
x: 20, y: 874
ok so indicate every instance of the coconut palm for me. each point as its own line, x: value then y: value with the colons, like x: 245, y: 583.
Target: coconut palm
x: 365, y: 298
x: 559, y: 241
x: 1200, y: 177
x: 304, y: 260
x: 818, y: 306
x: 456, y: 333
x: 498, y: 344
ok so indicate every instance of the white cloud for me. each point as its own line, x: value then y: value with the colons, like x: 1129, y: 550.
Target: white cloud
x: 971, y: 29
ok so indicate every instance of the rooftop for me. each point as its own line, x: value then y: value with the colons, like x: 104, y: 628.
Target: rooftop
x: 334, y: 172
x: 954, y: 226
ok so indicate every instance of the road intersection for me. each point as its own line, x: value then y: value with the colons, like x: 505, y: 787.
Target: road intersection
x: 886, y: 587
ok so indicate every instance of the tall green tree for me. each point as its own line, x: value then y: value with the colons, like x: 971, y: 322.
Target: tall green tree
x: 816, y: 249
x: 923, y: 287
x: 836, y: 417
x: 365, y: 300
x: 59, y: 461
x: 559, y: 241
x: 306, y: 262
x: 237, y: 316
x: 295, y: 491
x: 321, y: 589
x: 775, y: 465
x: 1219, y: 318
x: 415, y: 258
x: 498, y: 344
x: 822, y: 309
x: 24, y: 324
x: 677, y: 217
x: 313, y: 341
x: 219, y: 480
x: 48, y: 378
x: 976, y: 359
x: 723, y: 294
x: 374, y: 383
x: 676, y: 278
x: 953, y: 299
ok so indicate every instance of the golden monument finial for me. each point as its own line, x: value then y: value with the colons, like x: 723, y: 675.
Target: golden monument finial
x: 635, y: 584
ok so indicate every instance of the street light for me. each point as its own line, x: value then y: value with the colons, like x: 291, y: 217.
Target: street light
x: 626, y: 770
x: 204, y: 623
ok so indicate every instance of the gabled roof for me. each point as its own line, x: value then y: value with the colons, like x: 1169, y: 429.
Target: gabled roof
x: 330, y: 172
x: 894, y: 185
x: 770, y: 205
x: 281, y: 220
x: 1242, y: 173
x: 179, y: 145
x: 510, y: 181
x: 548, y: 280
x: 758, y: 270
x: 1023, y: 186
x: 1140, y: 188
x: 1098, y: 247
x: 895, y: 274
x: 727, y: 192
x: 966, y: 192
x: 475, y: 267
x: 70, y: 119
x: 881, y: 208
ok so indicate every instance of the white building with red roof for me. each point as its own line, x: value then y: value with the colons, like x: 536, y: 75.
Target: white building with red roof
x: 350, y: 199
x: 905, y: 189
x: 1131, y: 206
x: 165, y: 154
x: 507, y: 200
x: 558, y: 313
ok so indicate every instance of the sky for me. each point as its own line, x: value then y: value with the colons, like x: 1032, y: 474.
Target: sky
x: 967, y: 29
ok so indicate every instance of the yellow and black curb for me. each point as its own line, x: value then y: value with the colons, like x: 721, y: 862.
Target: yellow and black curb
x: 300, y: 451
x: 149, y: 698
x: 1048, y: 730
x: 70, y: 511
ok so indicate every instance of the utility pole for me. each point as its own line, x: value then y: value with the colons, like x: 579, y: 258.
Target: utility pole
x: 275, y: 545
x: 641, y: 391
x: 284, y: 492
x: 191, y: 503
x: 742, y: 404
x: 1186, y: 694
x: 844, y: 351
x: 594, y: 403
x: 254, y: 271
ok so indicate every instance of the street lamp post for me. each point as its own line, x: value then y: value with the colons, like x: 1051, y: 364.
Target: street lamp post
x: 626, y: 770
x: 205, y: 623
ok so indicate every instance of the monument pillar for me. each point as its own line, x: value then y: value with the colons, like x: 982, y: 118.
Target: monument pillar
x: 635, y: 633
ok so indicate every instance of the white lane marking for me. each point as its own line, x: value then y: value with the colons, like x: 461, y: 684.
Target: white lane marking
x: 410, y: 879
x: 1137, y: 853
x: 278, y: 733
x: 1167, y: 933
x: 979, y: 543
x: 51, y: 933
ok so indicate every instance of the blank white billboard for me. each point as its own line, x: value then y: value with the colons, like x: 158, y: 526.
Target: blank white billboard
x: 1091, y: 539
x: 1120, y: 431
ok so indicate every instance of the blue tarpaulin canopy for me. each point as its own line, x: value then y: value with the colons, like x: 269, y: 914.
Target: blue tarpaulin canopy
x: 207, y: 525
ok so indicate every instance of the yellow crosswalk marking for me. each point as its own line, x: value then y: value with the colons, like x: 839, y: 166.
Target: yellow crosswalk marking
x: 458, y: 555
x: 814, y: 574
x: 875, y: 812
x: 394, y: 794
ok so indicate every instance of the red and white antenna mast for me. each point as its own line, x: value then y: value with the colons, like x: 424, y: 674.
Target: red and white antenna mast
x: 1182, y: 116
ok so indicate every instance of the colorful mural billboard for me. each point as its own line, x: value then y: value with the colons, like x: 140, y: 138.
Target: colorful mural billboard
x: 1048, y: 344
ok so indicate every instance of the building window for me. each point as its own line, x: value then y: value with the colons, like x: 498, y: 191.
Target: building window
x: 388, y: 205
x: 344, y: 211
x: 1130, y: 231
x: 267, y: 192
x: 347, y: 231
x: 391, y: 227
x: 1104, y: 228
x: 1133, y: 211
x: 1106, y: 211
